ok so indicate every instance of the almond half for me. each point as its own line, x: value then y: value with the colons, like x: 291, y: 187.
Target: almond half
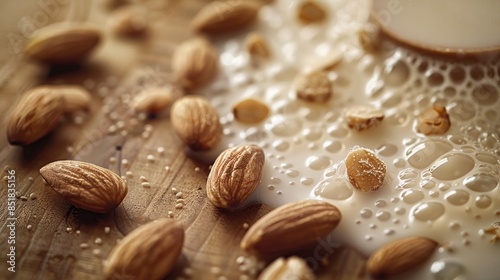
x: 400, y: 256
x: 285, y: 269
x: 291, y: 227
x: 148, y: 252
x: 85, y: 185
x: 235, y: 175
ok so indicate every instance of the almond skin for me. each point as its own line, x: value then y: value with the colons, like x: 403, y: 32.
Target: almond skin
x: 291, y: 227
x: 148, y: 252
x: 196, y: 122
x: 62, y: 43
x: 400, y: 256
x: 195, y: 63
x: 235, y: 175
x: 85, y: 185
x: 225, y: 16
x: 37, y: 113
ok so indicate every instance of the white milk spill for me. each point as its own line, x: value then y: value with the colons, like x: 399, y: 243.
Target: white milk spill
x: 443, y: 187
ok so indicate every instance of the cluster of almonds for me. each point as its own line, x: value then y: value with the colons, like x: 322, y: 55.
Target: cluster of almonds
x: 236, y: 172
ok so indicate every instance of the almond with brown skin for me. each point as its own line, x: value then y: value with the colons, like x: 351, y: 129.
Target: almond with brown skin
x: 148, y: 252
x: 154, y: 100
x: 76, y: 98
x: 196, y: 122
x: 61, y: 43
x: 291, y: 227
x: 225, y: 16
x: 400, y: 256
x: 37, y: 113
x: 195, y: 63
x: 235, y: 175
x: 365, y: 170
x: 85, y: 185
x: 250, y: 110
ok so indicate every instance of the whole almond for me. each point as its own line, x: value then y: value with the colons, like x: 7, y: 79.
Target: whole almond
x: 286, y: 269
x: 196, y: 122
x: 250, y: 111
x: 433, y: 121
x: 153, y: 100
x: 195, y: 63
x: 225, y: 16
x: 400, y: 256
x: 37, y: 113
x: 291, y: 227
x: 61, y: 43
x: 313, y: 87
x: 85, y: 185
x: 235, y: 175
x: 365, y: 170
x: 76, y: 98
x: 148, y: 252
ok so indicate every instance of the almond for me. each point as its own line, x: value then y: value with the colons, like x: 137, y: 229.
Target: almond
x: 365, y: 170
x: 310, y: 12
x: 257, y: 46
x: 61, y: 43
x: 285, y: 269
x: 195, y: 63
x: 148, y: 252
x: 76, y: 98
x: 291, y: 227
x: 434, y: 121
x: 313, y: 87
x: 85, y: 185
x: 153, y: 100
x: 400, y: 256
x: 225, y: 16
x: 196, y: 122
x: 235, y: 175
x: 363, y: 117
x: 37, y: 113
x: 250, y: 111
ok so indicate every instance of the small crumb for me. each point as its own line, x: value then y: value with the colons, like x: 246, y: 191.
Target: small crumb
x: 34, y: 216
x: 29, y: 227
x: 148, y: 128
x: 107, y: 230
x: 150, y: 158
x: 146, y: 135
x: 146, y: 185
x: 179, y: 206
x: 170, y: 214
x: 123, y: 133
x: 70, y: 149
x: 160, y: 150
x: 69, y: 230
x: 123, y: 177
x: 98, y: 241
x: 5, y: 178
x: 32, y: 195
x: 31, y: 179
x: 143, y: 179
x: 167, y: 168
x: 124, y: 162
x: 197, y: 169
x: 129, y: 174
x: 120, y: 124
x: 24, y: 198
x: 245, y: 225
x: 180, y: 201
x: 112, y: 160
x: 179, y: 195
x: 240, y: 260
x: 112, y: 129
x: 84, y: 245
x: 18, y: 195
x: 96, y: 252
x: 78, y: 232
x: 174, y: 190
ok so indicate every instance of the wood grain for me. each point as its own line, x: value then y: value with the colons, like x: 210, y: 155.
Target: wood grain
x: 51, y: 248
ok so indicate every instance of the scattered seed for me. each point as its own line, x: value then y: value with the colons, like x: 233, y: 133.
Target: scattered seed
x: 160, y: 150
x: 182, y: 201
x: 167, y: 168
x: 78, y: 232
x: 32, y: 195
x: 145, y: 184
x: 96, y: 252
x: 107, y: 230
x: 84, y: 245
x: 170, y: 214
x: 197, y: 169
x: 69, y: 230
x: 98, y: 241
x: 179, y: 195
x: 125, y: 162
x: 143, y: 179
x: 129, y: 174
x: 24, y: 198
x: 112, y: 160
x: 29, y: 227
x: 179, y: 206
x: 174, y: 190
x: 150, y: 158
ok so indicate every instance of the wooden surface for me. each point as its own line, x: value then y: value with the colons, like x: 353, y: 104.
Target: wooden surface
x: 48, y: 245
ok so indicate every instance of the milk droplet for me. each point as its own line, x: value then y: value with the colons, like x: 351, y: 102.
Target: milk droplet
x: 481, y: 182
x: 337, y: 131
x: 457, y: 197
x: 425, y: 153
x: 317, y: 162
x: 485, y: 94
x: 334, y: 188
x: 487, y: 158
x: 483, y: 201
x: 383, y: 215
x: 387, y: 150
x: 452, y: 167
x: 412, y: 196
x: 284, y: 126
x: 428, y: 211
x: 447, y: 270
x: 366, y: 213
x: 281, y: 145
x: 332, y: 146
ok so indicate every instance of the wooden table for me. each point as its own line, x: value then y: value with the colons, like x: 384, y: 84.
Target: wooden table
x: 49, y: 232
